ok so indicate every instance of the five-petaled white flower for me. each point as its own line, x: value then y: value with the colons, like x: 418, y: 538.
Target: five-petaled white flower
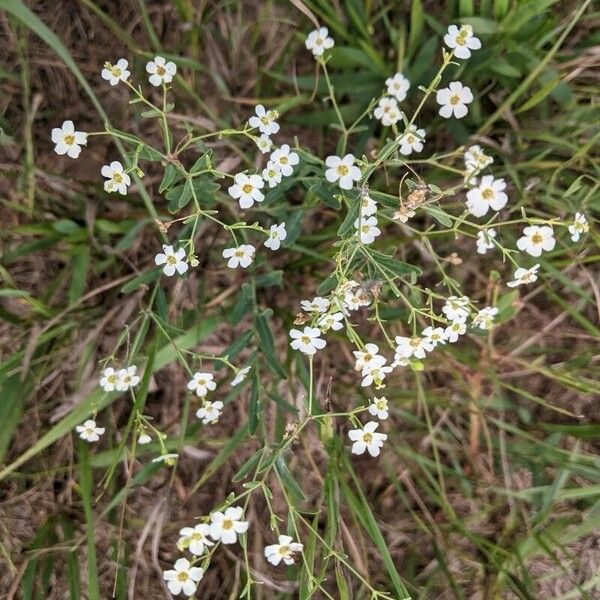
x: 307, y: 341
x: 239, y: 257
x: 484, y: 319
x: 117, y: 180
x: 201, y: 383
x: 286, y: 159
x: 127, y: 378
x: 240, y: 376
x: 264, y: 143
x: 434, y: 335
x: 462, y: 41
x: 246, y: 189
x: 160, y: 71
x: 210, y: 412
x: 456, y: 308
x: 89, y: 431
x: 67, y: 140
x: 379, y: 408
x: 536, y: 239
x: 195, y: 539
x: 264, y: 120
x: 368, y: 358
x: 276, y: 235
x: 285, y: 550
x: 375, y: 375
x: 226, y: 526
x: 484, y: 240
x: 173, y: 260
x: 456, y: 328
x: 368, y: 206
x: 412, y: 346
x: 334, y: 321
x: 387, y: 111
x: 367, y: 439
x: 109, y: 380
x: 397, y: 86
x: 367, y: 229
x: 272, y: 174
x: 316, y: 305
x: 411, y: 140
x: 318, y: 41
x: 488, y: 194
x: 453, y: 100
x: 343, y: 170
x: 476, y: 159
x: 115, y: 73
x: 579, y: 226
x: 183, y: 577
x: 524, y: 276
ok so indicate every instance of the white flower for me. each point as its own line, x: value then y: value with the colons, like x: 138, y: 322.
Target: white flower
x: 183, y: 577
x: 115, y: 73
x: 89, y: 431
x: 239, y: 257
x: 334, y: 321
x: 226, y: 526
x: 388, y: 112
x: 484, y: 319
x: 488, y: 194
x: 117, y: 179
x: 127, y: 378
x: 484, y: 240
x: 434, y: 335
x: 240, y: 376
x: 173, y: 260
x: 285, y: 550
x: 201, y: 383
x: 368, y: 206
x: 368, y: 358
x: 264, y: 120
x: 455, y: 329
x: 272, y: 174
x: 580, y: 225
x: 462, y: 40
x: 375, y: 374
x: 379, y: 408
x: 246, y: 189
x: 367, y: 439
x: 412, y: 346
x: 318, y: 41
x: 368, y: 230
x: 286, y: 159
x: 195, y: 539
x: 160, y: 71
x: 476, y: 159
x: 343, y: 170
x: 453, y: 100
x: 411, y: 140
x: 536, y: 238
x: 109, y: 380
x: 67, y: 140
x: 397, y: 86
x: 307, y: 341
x: 277, y: 234
x: 456, y: 308
x: 144, y: 438
x: 317, y: 304
x: 523, y: 276
x: 264, y: 143
x: 210, y: 412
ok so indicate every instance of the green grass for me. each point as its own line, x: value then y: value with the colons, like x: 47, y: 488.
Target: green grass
x: 490, y: 479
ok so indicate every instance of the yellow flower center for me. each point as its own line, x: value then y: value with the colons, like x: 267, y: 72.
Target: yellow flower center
x: 365, y: 229
x: 239, y: 253
x: 368, y: 438
x: 171, y: 260
x: 69, y: 139
x: 536, y: 238
x: 283, y: 550
x: 247, y: 188
x: 115, y: 71
x: 283, y: 160
x: 342, y: 170
x: 305, y: 339
x: 487, y: 194
x: 160, y: 70
x: 415, y: 342
x: 319, y: 41
x: 182, y: 576
x: 410, y: 139
x: 197, y: 536
x: 117, y: 178
x: 264, y: 120
x: 454, y: 100
x: 227, y: 524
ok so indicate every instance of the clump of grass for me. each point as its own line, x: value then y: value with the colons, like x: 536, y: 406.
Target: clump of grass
x: 488, y: 485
